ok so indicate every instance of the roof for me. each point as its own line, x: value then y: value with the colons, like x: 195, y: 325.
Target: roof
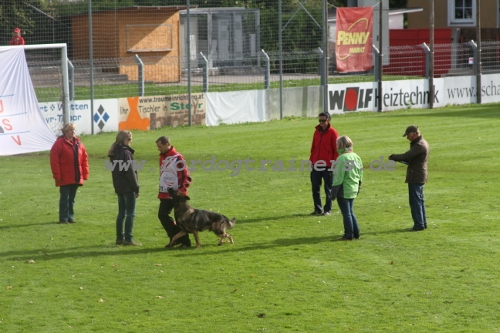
x: 398, y: 11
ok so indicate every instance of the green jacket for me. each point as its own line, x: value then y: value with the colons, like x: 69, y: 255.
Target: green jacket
x: 347, y: 176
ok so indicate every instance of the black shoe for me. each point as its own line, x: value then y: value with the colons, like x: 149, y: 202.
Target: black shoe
x: 120, y: 242
x: 316, y: 213
x: 71, y: 221
x: 63, y: 222
x: 414, y: 229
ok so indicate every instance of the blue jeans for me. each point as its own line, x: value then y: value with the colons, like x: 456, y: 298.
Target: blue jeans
x: 316, y: 179
x: 126, y: 213
x: 67, y: 201
x: 417, y: 206
x: 351, y: 227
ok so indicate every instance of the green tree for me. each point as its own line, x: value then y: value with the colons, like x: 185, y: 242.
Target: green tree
x: 17, y: 13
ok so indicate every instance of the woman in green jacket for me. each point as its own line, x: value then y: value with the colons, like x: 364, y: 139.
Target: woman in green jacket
x: 347, y: 178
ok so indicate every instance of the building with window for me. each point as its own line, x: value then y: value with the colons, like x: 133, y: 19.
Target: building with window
x: 455, y: 14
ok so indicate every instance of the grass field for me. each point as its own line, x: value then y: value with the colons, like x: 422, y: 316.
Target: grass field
x: 284, y: 273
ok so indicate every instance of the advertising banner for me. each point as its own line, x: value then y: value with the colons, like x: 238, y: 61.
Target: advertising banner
x: 105, y: 118
x: 396, y: 95
x: 22, y: 128
x: 353, y: 50
x: 151, y: 112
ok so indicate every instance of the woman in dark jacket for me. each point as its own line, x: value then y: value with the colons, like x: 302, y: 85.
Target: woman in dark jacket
x: 125, y: 182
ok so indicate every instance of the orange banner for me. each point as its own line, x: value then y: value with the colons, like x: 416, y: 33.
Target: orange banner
x: 353, y: 48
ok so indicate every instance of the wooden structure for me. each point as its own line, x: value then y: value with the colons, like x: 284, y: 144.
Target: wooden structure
x: 150, y: 32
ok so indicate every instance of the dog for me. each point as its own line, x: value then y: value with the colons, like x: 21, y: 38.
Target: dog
x: 192, y: 220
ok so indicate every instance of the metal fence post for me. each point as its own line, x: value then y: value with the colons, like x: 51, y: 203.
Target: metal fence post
x: 71, y: 79
x: 427, y: 51
x: 140, y: 67
x: 377, y: 63
x: 205, y: 72
x: 321, y: 66
x: 267, y: 70
x: 474, y: 54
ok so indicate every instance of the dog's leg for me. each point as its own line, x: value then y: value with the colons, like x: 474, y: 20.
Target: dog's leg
x: 230, y: 238
x: 176, y: 237
x: 195, y: 233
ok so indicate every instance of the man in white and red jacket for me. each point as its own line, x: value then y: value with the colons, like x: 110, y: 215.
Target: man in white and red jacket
x: 173, y: 174
x: 323, y: 152
x: 70, y: 167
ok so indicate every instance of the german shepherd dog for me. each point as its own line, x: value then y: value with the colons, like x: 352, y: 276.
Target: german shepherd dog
x: 192, y: 220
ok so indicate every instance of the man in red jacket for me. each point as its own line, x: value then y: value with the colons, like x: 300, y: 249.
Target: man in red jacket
x: 323, y: 152
x: 173, y: 174
x: 16, y: 38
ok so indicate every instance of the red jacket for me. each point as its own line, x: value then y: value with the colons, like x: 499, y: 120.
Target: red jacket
x: 17, y: 40
x: 183, y: 178
x: 324, y: 146
x: 69, y: 161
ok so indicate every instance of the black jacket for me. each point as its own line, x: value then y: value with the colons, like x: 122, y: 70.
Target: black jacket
x: 125, y: 177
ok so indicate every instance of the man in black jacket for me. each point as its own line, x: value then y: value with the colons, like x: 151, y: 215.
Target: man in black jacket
x: 416, y: 174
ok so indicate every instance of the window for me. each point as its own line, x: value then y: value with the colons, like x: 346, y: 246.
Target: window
x: 461, y: 12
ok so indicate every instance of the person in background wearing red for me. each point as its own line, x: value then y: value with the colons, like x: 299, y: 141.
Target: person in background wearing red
x: 323, y: 152
x: 17, y: 39
x: 70, y: 167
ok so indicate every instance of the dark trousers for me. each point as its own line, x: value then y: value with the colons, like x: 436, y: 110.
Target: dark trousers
x: 417, y: 205
x: 125, y: 217
x: 166, y: 207
x: 317, y: 177
x: 67, y: 201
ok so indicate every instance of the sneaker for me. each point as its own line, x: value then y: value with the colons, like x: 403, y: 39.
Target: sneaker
x: 315, y: 213
x: 71, y: 221
x: 120, y: 242
x: 326, y: 213
x: 132, y: 243
x: 63, y: 222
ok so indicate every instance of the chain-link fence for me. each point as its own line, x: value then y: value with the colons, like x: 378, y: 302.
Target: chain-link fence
x: 159, y: 50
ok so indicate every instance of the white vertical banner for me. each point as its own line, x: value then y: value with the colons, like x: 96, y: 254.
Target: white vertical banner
x: 22, y: 127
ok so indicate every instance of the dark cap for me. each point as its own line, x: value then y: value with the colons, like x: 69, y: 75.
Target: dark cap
x: 410, y: 129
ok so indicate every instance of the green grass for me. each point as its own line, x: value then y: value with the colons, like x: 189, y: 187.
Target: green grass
x: 284, y: 273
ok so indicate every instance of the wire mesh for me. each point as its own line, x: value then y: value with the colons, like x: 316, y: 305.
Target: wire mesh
x: 229, y: 38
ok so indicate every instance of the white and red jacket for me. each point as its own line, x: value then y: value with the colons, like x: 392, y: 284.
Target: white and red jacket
x: 173, y: 174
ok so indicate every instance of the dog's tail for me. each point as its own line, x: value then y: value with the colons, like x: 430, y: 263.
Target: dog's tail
x: 231, y: 223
